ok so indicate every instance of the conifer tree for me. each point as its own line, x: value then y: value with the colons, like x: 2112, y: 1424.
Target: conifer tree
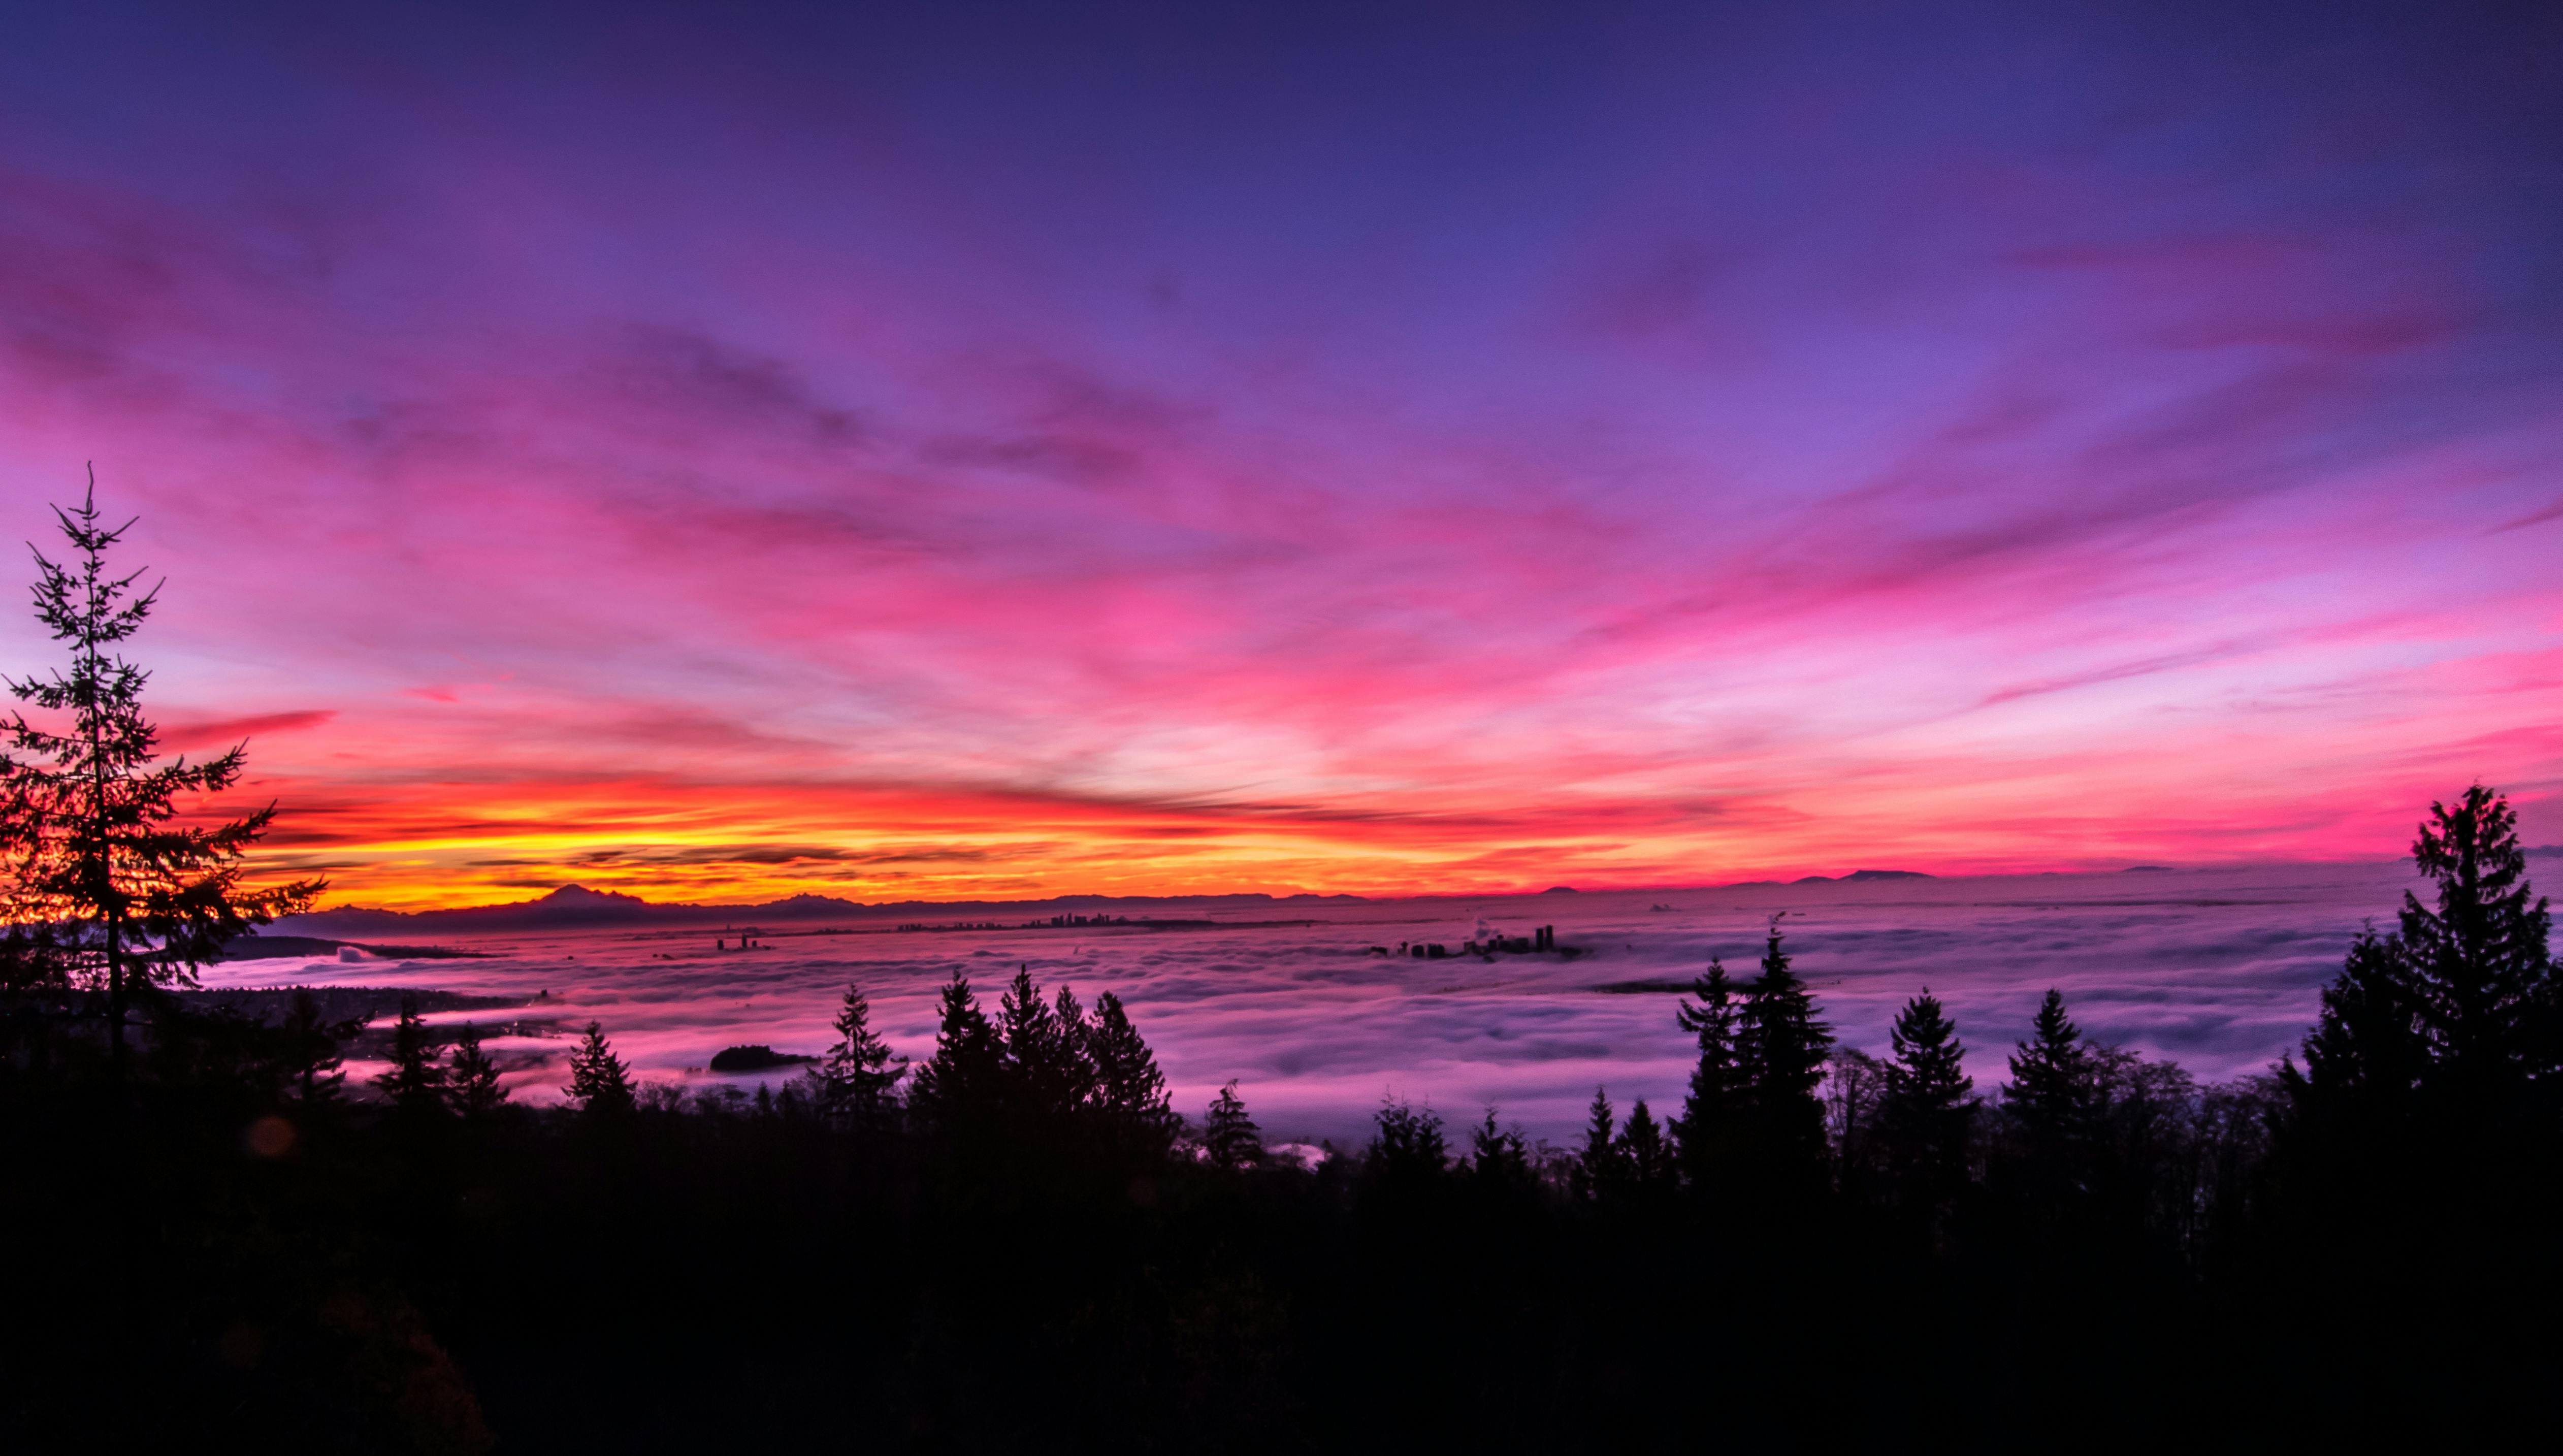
x: 88, y: 813
x: 2053, y: 1096
x: 1707, y: 1128
x: 1130, y: 1091
x: 1230, y: 1137
x: 858, y: 1076
x: 1045, y: 1055
x: 964, y: 1080
x: 1644, y: 1150
x: 1926, y: 1109
x: 1598, y: 1171
x: 599, y: 1081
x: 414, y: 1083
x: 1407, y: 1147
x: 2456, y: 1010
x: 1782, y: 1048
x: 472, y: 1084
x: 311, y: 1048
x: 1500, y: 1160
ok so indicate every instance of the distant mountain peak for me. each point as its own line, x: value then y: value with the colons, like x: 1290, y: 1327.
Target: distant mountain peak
x: 581, y: 895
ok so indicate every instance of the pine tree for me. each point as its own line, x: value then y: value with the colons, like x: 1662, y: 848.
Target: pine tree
x: 1707, y: 1128
x: 2053, y: 1097
x: 1130, y: 1091
x: 472, y: 1084
x: 2479, y: 969
x: 599, y: 1081
x: 1407, y: 1147
x: 1230, y: 1137
x: 1781, y: 1049
x: 858, y: 1077
x: 1645, y: 1152
x: 1500, y: 1160
x: 1047, y: 1058
x: 2456, y: 1010
x: 1927, y: 1110
x: 88, y: 829
x: 965, y: 1081
x: 414, y: 1083
x: 311, y: 1048
x: 1599, y: 1171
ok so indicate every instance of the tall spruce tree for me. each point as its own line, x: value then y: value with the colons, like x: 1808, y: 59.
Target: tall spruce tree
x: 415, y: 1082
x: 89, y: 815
x: 2054, y: 1099
x: 1781, y: 1050
x: 1707, y: 1130
x: 1926, y: 1112
x: 2456, y: 1010
x: 1130, y: 1091
x: 1230, y: 1137
x: 1645, y: 1152
x: 311, y: 1048
x: 1499, y: 1160
x: 1598, y: 1171
x: 858, y: 1077
x: 963, y: 1083
x: 599, y: 1081
x: 471, y: 1082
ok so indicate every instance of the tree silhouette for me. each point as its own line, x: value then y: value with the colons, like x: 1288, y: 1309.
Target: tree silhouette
x: 1130, y: 1091
x: 1230, y: 1137
x: 599, y: 1083
x: 1781, y: 1048
x: 1925, y: 1115
x: 1500, y: 1160
x: 472, y: 1083
x: 858, y: 1077
x: 1600, y: 1172
x: 963, y: 1083
x: 414, y: 1083
x: 1712, y: 1109
x: 2458, y: 1007
x: 2054, y: 1098
x: 310, y: 1048
x: 87, y: 832
x: 1645, y: 1152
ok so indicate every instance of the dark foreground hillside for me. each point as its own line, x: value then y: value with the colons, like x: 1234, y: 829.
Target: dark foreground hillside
x: 1016, y: 1245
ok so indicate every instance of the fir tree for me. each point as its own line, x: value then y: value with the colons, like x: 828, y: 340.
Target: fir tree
x: 1500, y: 1160
x: 2478, y: 969
x: 1707, y: 1129
x: 1599, y: 1170
x: 1230, y: 1137
x: 2053, y: 1097
x: 1047, y: 1058
x: 1644, y: 1150
x: 858, y: 1077
x: 963, y: 1082
x: 88, y: 814
x: 1130, y: 1091
x: 472, y: 1084
x: 1926, y: 1113
x: 599, y: 1081
x: 311, y: 1048
x: 1781, y: 1049
x: 1407, y: 1147
x: 2456, y: 1012
x: 414, y: 1083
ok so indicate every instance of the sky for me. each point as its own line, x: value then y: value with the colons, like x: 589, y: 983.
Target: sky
x: 972, y: 452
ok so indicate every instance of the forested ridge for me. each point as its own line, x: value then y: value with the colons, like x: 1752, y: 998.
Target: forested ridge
x: 218, y: 1241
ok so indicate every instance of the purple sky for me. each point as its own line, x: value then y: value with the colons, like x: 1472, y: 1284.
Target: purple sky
x: 976, y: 452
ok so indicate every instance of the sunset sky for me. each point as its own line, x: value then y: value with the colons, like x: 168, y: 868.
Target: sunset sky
x: 1006, y: 452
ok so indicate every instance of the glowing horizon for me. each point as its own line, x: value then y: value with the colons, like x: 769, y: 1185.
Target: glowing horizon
x: 1459, y: 457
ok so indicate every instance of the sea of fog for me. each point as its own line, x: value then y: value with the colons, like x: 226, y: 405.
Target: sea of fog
x: 2216, y: 969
